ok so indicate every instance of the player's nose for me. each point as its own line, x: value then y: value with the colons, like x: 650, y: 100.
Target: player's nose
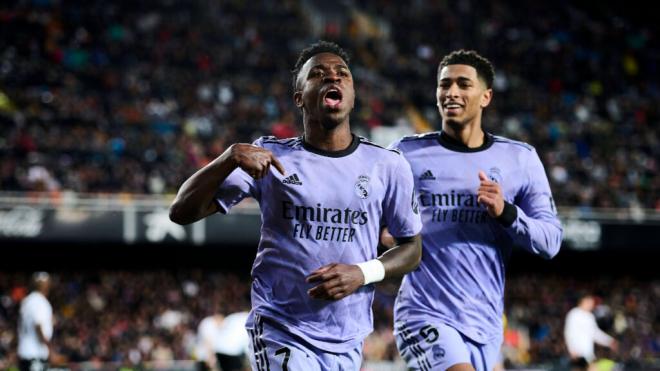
x: 332, y: 77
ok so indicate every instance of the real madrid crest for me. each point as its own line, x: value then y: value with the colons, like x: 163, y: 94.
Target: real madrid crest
x: 362, y: 188
x: 495, y: 175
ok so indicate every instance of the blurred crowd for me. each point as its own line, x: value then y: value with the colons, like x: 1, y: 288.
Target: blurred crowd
x: 129, y: 318
x: 626, y: 308
x: 121, y: 317
x: 123, y: 96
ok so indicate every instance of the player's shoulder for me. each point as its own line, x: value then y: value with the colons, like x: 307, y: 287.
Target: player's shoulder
x: 270, y: 141
x: 378, y: 148
x: 416, y: 140
x: 33, y: 296
x: 34, y: 299
x: 514, y: 144
x: 433, y: 135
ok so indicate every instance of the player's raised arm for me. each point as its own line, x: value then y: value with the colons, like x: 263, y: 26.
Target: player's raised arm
x: 532, y: 222
x: 195, y: 199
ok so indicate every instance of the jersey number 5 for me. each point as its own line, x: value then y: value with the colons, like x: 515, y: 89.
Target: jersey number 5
x: 429, y: 333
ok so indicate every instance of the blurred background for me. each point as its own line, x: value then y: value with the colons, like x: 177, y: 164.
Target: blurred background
x: 106, y: 107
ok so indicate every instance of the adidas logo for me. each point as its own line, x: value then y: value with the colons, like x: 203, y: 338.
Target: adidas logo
x: 427, y: 175
x: 292, y: 179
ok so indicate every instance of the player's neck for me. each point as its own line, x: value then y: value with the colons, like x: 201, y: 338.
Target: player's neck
x: 332, y: 140
x: 472, y: 136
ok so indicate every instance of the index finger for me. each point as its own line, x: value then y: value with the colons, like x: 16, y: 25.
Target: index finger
x: 482, y: 175
x: 278, y: 165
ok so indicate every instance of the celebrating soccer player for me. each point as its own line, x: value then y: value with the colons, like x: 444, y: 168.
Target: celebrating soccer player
x: 323, y: 197
x: 480, y: 195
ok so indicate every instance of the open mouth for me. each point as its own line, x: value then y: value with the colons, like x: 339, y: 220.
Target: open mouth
x: 332, y: 98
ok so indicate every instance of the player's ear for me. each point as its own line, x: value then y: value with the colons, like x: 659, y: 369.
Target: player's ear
x: 486, y: 97
x: 297, y: 98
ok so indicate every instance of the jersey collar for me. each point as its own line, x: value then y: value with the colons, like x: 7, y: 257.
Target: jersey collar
x: 355, y: 142
x: 454, y: 145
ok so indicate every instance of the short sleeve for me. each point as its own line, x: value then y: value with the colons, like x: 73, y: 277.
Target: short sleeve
x: 400, y: 208
x: 236, y: 187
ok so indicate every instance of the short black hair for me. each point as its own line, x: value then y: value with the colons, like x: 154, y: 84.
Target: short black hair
x: 484, y: 68
x: 319, y: 47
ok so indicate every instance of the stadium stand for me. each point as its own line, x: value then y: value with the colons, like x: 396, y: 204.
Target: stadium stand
x: 125, y: 97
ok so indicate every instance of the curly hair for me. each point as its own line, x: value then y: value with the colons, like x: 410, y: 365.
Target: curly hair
x: 485, y: 70
x: 314, y: 49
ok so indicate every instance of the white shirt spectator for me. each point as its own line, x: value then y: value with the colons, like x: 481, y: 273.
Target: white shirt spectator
x: 581, y: 332
x: 35, y: 310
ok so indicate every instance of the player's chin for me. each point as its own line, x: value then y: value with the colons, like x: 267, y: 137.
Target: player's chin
x: 331, y: 120
x: 338, y: 110
x: 453, y: 121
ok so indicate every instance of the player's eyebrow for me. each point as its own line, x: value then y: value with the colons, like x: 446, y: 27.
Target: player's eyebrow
x: 459, y: 79
x: 336, y: 66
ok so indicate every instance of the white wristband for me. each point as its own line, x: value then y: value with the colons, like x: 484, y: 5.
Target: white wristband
x: 373, y: 271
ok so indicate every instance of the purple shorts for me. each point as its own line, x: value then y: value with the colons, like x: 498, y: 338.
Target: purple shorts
x: 430, y: 346
x: 274, y: 349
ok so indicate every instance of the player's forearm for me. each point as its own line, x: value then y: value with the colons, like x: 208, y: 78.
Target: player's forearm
x: 404, y: 257
x: 536, y: 227
x: 538, y: 236
x: 195, y: 198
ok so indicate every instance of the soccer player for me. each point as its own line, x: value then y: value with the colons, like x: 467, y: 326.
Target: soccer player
x: 323, y: 197
x: 581, y: 331
x: 222, y: 341
x: 207, y: 337
x: 480, y: 196
x: 35, y: 326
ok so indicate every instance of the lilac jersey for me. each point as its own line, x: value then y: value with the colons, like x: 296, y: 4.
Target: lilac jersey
x: 460, y: 280
x: 328, y: 208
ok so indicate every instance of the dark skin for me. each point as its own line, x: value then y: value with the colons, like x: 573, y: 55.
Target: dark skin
x: 336, y: 281
x: 326, y: 96
x: 326, y: 125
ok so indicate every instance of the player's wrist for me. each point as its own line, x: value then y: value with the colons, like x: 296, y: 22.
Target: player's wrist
x: 509, y: 214
x: 372, y: 270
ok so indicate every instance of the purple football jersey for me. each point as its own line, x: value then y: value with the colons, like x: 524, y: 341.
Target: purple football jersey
x: 327, y: 208
x: 460, y: 280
